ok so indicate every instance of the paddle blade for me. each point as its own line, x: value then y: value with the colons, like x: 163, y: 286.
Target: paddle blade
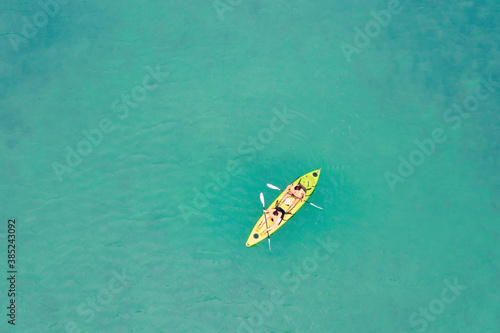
x: 315, y: 205
x: 273, y: 187
x: 262, y: 199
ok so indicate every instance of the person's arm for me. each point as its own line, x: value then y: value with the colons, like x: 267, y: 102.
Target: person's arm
x: 266, y: 217
x: 287, y: 194
x: 272, y: 227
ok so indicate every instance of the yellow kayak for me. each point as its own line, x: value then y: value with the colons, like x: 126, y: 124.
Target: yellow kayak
x: 308, y: 181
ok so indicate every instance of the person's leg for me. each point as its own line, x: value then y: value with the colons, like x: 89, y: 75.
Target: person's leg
x: 284, y: 198
x: 294, y: 202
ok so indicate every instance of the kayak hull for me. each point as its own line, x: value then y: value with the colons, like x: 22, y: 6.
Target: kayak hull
x: 309, y: 180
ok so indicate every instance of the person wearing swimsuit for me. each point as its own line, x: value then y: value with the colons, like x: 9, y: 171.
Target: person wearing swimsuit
x: 274, y: 215
x: 297, y: 192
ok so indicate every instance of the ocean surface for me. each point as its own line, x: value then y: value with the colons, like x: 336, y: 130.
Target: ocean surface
x: 136, y: 137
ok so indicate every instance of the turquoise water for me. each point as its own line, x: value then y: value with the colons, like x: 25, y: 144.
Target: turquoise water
x: 136, y: 138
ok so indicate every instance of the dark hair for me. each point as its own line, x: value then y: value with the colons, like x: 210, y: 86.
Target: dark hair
x: 302, y: 186
x: 279, y: 209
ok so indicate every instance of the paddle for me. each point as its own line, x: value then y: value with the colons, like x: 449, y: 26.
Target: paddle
x: 277, y: 188
x: 265, y: 218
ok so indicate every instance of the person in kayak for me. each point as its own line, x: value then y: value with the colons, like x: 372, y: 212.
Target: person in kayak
x: 273, y: 215
x: 297, y: 192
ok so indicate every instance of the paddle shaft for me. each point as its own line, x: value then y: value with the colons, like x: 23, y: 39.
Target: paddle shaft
x: 268, y: 236
x: 265, y: 219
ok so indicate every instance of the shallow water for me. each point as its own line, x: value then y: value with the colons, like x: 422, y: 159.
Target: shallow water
x: 137, y: 137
